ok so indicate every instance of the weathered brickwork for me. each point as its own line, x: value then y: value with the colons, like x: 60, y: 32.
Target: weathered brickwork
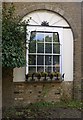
x: 25, y: 93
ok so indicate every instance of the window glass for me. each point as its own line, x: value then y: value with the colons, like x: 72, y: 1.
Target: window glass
x: 33, y: 36
x: 32, y: 69
x: 55, y: 37
x: 32, y: 47
x: 48, y: 48
x: 48, y: 60
x: 40, y: 37
x: 40, y: 60
x: 40, y: 47
x: 40, y: 69
x: 56, y: 48
x: 32, y: 59
x: 56, y: 63
x: 48, y: 69
x: 48, y: 37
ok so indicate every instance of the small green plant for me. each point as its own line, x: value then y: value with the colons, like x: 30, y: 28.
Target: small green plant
x: 38, y: 75
x: 44, y: 74
x: 57, y: 75
x: 33, y: 75
x: 51, y: 75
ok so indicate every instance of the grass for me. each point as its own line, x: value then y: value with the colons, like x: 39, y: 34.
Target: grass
x: 62, y: 104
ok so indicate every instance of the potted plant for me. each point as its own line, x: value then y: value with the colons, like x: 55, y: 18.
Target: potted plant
x: 33, y: 75
x: 57, y: 75
x: 51, y: 75
x: 38, y: 75
x: 44, y: 74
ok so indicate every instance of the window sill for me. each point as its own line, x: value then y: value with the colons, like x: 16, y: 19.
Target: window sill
x: 56, y: 81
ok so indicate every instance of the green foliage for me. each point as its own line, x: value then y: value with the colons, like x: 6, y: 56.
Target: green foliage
x: 13, y: 39
x: 51, y: 75
x: 38, y: 74
x: 44, y: 74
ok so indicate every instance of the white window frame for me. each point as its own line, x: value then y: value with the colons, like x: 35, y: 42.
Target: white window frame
x: 29, y: 29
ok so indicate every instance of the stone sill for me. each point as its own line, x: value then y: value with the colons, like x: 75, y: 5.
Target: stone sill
x: 56, y: 81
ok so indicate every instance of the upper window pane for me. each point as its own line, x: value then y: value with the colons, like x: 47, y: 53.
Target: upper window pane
x: 55, y: 37
x: 40, y: 37
x: 33, y: 36
x: 32, y: 43
x: 56, y: 48
x: 32, y: 47
x: 48, y: 48
x: 40, y: 47
x: 48, y: 37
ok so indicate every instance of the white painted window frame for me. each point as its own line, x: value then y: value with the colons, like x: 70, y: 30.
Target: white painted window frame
x: 47, y: 29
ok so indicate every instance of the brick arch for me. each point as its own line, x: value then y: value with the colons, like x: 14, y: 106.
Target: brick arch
x: 54, y: 9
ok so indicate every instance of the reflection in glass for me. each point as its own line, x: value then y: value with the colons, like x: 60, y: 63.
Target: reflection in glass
x: 48, y: 60
x: 55, y: 37
x: 56, y: 63
x: 40, y: 37
x: 32, y: 59
x: 48, y: 48
x: 48, y: 69
x: 32, y: 69
x: 32, y: 43
x: 56, y: 48
x: 40, y: 60
x: 33, y: 36
x: 32, y: 46
x: 48, y: 37
x: 40, y: 69
x: 40, y: 47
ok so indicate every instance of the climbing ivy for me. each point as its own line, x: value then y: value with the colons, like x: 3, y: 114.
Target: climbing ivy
x: 13, y: 39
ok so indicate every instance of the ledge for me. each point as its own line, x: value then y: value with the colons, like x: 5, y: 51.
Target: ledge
x: 56, y: 81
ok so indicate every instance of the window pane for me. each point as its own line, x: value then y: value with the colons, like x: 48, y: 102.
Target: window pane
x: 40, y: 60
x: 32, y: 44
x: 48, y: 69
x: 40, y: 37
x: 56, y: 68
x: 40, y: 69
x: 48, y: 60
x: 32, y: 59
x: 33, y: 36
x: 32, y: 69
x: 32, y: 47
x: 40, y: 47
x: 48, y: 37
x: 56, y: 63
x: 56, y: 48
x: 55, y: 37
x: 48, y: 48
